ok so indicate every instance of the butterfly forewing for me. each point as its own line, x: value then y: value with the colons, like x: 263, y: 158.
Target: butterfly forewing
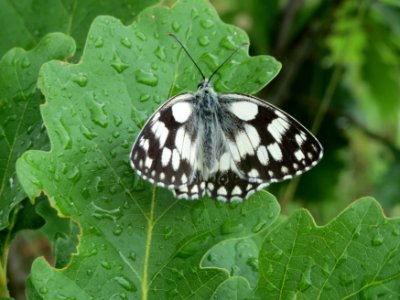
x: 164, y: 152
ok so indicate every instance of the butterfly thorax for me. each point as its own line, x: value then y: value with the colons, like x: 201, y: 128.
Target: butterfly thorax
x: 206, y: 112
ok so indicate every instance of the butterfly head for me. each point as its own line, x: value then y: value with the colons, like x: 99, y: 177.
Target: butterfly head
x: 205, y: 83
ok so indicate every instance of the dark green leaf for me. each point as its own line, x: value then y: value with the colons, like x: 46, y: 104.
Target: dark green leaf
x: 25, y: 22
x: 21, y: 126
x: 135, y: 240
x: 355, y: 256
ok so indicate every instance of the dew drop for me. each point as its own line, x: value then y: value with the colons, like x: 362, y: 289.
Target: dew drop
x: 175, y: 26
x: 106, y: 265
x: 277, y: 255
x: 228, y: 43
x: 125, y: 144
x: 81, y: 79
x: 192, y: 247
x: 64, y: 135
x: 377, y: 239
x: 87, y: 133
x: 305, y: 281
x: 212, y: 257
x: 117, y: 230
x: 231, y: 226
x: 160, y: 53
x: 99, y: 184
x: 145, y: 77
x: 126, y: 283
x: 252, y: 262
x: 99, y: 42
x: 144, y: 98
x: 168, y: 232
x: 97, y: 114
x: 396, y: 231
x: 119, y: 66
x: 74, y: 175
x: 132, y: 256
x: 195, y: 13
x: 260, y: 225
x: 357, y: 231
x: 117, y: 120
x: 203, y: 40
x: 235, y: 270
x: 206, y: 23
x: 113, y: 153
x: 43, y: 290
x: 211, y: 60
x: 140, y: 35
x: 101, y: 213
x: 25, y: 62
x: 116, y: 134
x: 126, y: 42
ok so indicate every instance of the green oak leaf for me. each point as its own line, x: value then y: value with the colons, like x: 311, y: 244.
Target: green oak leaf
x: 356, y: 256
x: 25, y: 22
x: 21, y: 126
x: 137, y: 241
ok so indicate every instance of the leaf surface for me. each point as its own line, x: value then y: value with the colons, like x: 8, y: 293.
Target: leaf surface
x: 137, y: 242
x: 21, y: 126
x: 355, y: 256
x: 24, y: 23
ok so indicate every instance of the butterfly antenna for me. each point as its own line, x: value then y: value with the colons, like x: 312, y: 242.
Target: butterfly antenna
x: 227, y: 59
x: 188, y: 54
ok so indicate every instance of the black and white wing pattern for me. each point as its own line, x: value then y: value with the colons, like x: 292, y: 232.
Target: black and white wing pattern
x: 269, y: 145
x: 265, y: 145
x: 164, y: 152
x: 249, y: 144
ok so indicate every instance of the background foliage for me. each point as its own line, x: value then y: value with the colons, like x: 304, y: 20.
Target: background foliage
x: 340, y: 77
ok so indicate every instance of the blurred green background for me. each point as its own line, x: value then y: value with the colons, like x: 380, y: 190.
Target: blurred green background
x: 340, y: 78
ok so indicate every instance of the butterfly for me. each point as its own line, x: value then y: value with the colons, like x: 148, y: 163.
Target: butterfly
x: 226, y: 145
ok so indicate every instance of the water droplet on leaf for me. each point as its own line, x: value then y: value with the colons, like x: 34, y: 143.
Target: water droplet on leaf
x: 25, y: 62
x: 175, y: 26
x: 97, y: 113
x: 126, y: 42
x: 160, y: 53
x: 231, y: 226
x: 74, y: 175
x: 203, y: 40
x: 377, y: 239
x: 81, y: 79
x: 64, y: 135
x: 106, y: 265
x: 206, y: 23
x: 140, y: 35
x: 144, y: 97
x: 126, y: 283
x: 99, y: 42
x: 146, y: 77
x: 228, y: 43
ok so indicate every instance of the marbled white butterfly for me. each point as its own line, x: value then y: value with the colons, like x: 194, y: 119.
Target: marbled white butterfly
x: 226, y: 145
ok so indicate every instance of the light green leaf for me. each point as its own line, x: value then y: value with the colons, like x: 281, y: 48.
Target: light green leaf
x: 355, y: 256
x: 137, y: 242
x: 20, y: 121
x: 25, y: 22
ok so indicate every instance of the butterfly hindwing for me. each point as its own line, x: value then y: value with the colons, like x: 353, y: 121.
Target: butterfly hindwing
x: 267, y: 144
x: 165, y: 150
